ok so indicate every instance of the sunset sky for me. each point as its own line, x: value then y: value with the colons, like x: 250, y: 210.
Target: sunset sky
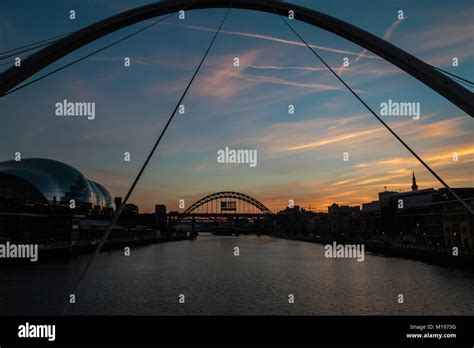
x: 300, y: 156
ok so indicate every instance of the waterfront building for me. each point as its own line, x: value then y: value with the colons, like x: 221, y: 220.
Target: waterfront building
x: 423, y: 216
x: 343, y: 221
x: 44, y: 201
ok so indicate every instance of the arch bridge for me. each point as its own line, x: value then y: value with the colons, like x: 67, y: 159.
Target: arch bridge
x: 224, y: 210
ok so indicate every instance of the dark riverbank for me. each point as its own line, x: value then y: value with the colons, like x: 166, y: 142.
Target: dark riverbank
x: 65, y: 251
x: 442, y: 256
x: 117, y: 244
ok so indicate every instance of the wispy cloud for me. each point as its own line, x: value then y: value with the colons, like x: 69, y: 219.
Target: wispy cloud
x: 334, y: 139
x: 387, y: 35
x: 456, y: 33
x: 274, y: 67
x: 222, y: 80
x: 274, y: 39
x: 323, y: 140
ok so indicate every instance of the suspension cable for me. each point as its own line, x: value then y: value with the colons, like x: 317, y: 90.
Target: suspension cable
x: 29, y: 47
x: 455, y: 195
x: 467, y: 84
x: 453, y: 75
x: 130, y: 191
x: 6, y: 56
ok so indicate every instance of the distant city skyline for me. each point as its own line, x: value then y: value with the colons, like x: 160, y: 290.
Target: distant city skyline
x: 300, y: 155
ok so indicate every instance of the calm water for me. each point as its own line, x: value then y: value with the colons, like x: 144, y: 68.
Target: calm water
x: 214, y: 281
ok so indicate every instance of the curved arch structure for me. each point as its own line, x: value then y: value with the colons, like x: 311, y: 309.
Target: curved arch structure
x: 423, y: 72
x: 58, y: 182
x: 220, y: 195
x: 228, y: 194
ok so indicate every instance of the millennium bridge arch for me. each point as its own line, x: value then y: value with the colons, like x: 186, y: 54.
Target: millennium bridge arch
x: 225, y: 205
x: 422, y: 71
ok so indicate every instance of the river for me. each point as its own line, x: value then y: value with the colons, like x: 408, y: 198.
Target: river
x: 257, y: 282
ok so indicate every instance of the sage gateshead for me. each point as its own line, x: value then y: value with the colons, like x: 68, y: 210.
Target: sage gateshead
x: 41, y: 200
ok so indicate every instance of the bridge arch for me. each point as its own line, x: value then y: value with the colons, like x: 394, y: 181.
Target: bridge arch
x: 228, y: 195
x: 422, y: 71
x: 224, y: 195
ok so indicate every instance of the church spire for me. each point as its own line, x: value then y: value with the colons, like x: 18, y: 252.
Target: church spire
x: 414, y: 186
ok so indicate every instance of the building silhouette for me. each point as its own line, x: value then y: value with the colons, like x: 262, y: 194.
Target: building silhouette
x: 414, y: 186
x: 44, y: 201
x: 430, y: 217
x: 425, y: 216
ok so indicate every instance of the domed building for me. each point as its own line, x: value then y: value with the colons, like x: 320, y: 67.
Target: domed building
x: 36, y: 197
x: 37, y: 183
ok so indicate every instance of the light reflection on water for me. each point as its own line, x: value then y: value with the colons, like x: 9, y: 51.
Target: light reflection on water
x: 214, y: 281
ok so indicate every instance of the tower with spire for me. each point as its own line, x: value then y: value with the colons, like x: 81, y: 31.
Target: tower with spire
x: 414, y: 186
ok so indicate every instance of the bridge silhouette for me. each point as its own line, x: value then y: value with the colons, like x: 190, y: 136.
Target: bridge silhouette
x: 226, y: 212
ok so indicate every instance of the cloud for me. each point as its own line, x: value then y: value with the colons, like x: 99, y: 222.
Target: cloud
x: 217, y: 81
x: 387, y: 35
x: 220, y: 79
x: 274, y: 39
x: 277, y: 81
x: 361, y: 165
x: 450, y: 36
x: 351, y: 131
x: 317, y: 132
x: 323, y: 139
x: 274, y: 67
x: 446, y: 36
x: 334, y: 139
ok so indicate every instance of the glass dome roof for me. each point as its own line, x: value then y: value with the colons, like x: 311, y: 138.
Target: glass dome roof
x: 58, y: 181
